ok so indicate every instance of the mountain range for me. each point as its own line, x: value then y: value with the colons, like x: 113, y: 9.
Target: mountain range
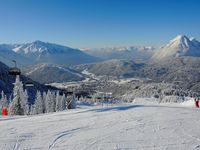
x: 50, y: 62
x: 181, y: 45
x: 43, y: 52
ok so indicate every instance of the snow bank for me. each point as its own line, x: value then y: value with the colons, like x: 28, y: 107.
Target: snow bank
x: 145, y: 101
x: 175, y: 100
x: 172, y: 99
x: 188, y: 103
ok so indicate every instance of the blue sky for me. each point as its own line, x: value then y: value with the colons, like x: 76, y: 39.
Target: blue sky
x: 98, y: 23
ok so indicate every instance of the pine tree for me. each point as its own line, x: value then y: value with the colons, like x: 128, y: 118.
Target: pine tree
x: 63, y: 102
x: 15, y: 106
x: 3, y: 102
x: 71, y: 102
x: 1, y: 105
x: 38, y: 106
x: 19, y: 105
x: 32, y: 110
x: 50, y: 102
x: 58, y: 102
x: 24, y: 103
x: 44, y: 102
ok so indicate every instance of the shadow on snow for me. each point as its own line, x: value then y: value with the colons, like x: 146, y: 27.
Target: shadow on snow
x: 116, y: 108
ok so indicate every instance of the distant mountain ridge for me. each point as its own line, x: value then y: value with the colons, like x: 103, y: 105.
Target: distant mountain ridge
x: 44, y: 52
x: 131, y: 52
x: 181, y: 45
x: 7, y: 55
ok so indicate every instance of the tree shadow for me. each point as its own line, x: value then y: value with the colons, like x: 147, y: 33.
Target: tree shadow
x: 115, y: 108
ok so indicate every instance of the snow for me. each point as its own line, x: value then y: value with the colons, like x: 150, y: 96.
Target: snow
x: 56, y: 66
x: 36, y: 68
x: 188, y: 103
x: 126, y: 80
x: 107, y: 127
x: 64, y: 85
x: 91, y: 75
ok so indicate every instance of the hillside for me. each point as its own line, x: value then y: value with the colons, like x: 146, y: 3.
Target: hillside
x: 112, y: 67
x: 122, y: 126
x: 49, y: 73
x: 185, y: 70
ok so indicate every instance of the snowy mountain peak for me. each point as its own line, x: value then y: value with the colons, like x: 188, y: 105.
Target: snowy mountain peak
x: 36, y: 46
x: 180, y: 37
x: 181, y: 45
x: 45, y: 52
x: 41, y: 47
x: 180, y: 41
x: 38, y: 42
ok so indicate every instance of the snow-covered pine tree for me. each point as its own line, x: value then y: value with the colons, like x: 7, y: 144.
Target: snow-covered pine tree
x: 44, y: 101
x: 47, y: 102
x: 38, y: 106
x: 1, y: 105
x: 63, y: 102
x: 32, y: 111
x: 19, y: 104
x: 53, y: 99
x: 50, y: 102
x: 2, y: 95
x: 24, y: 103
x: 15, y: 106
x: 58, y: 102
x: 71, y: 102
x: 4, y: 102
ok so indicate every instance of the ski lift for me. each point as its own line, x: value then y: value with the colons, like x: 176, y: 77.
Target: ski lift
x: 29, y: 83
x: 14, y: 70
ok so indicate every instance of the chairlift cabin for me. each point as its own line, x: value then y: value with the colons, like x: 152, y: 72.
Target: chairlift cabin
x: 29, y: 83
x: 14, y: 70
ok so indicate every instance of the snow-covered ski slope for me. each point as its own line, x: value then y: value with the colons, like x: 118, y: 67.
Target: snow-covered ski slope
x: 117, y: 127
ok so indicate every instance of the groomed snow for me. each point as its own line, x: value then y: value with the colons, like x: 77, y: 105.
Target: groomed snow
x: 117, y: 127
